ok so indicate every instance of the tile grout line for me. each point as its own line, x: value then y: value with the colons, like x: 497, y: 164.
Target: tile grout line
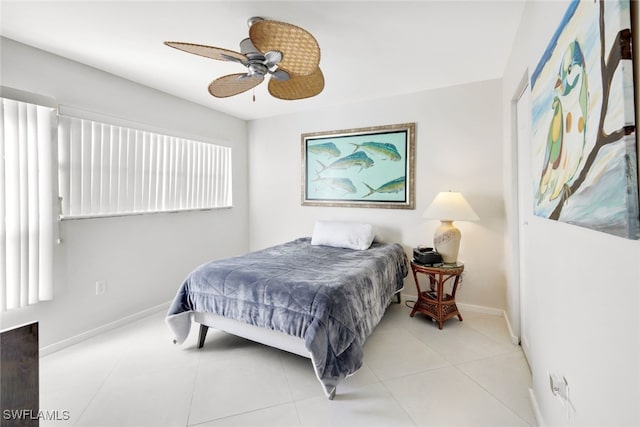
x: 400, y: 405
x: 496, y: 398
x: 102, y: 384
x: 456, y: 366
x: 231, y: 416
x: 293, y: 400
x: 193, y: 389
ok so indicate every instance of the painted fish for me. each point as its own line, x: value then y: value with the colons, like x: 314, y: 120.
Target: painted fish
x: 328, y: 149
x: 394, y: 186
x: 382, y: 149
x: 336, y: 184
x: 357, y: 159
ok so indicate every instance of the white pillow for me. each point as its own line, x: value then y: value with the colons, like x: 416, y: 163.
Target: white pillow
x: 338, y: 234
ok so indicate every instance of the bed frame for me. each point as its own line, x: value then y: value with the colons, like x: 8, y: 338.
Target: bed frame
x: 264, y: 336
x: 268, y: 337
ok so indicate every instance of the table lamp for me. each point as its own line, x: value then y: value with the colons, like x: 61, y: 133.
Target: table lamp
x: 449, y: 206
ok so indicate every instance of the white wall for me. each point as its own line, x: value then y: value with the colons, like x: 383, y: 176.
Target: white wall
x: 458, y: 147
x: 142, y: 258
x: 581, y: 306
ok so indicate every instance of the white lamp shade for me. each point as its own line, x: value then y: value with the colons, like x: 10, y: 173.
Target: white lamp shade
x: 450, y: 206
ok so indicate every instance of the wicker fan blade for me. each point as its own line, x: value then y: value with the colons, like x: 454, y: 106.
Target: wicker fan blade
x: 209, y: 51
x: 297, y: 87
x: 233, y: 84
x: 300, y: 50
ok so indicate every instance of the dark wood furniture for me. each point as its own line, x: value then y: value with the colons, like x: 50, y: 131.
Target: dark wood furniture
x: 433, y: 301
x: 19, y: 376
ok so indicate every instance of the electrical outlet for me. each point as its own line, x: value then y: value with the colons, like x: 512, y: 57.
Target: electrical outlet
x: 560, y: 388
x: 101, y: 287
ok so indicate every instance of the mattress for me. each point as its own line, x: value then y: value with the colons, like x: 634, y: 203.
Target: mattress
x: 332, y: 298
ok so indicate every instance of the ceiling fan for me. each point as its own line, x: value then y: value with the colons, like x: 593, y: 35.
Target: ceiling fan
x: 289, y: 54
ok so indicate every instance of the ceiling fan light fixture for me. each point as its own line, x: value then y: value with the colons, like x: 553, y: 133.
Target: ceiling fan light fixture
x: 272, y: 58
x: 289, y: 54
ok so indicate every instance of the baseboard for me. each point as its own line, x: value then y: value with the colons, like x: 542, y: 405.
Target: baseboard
x: 466, y: 307
x: 515, y: 340
x: 480, y: 309
x: 525, y: 346
x: 52, y: 348
x: 536, y: 409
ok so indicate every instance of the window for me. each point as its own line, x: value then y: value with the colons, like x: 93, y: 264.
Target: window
x: 26, y: 203
x: 103, y: 170
x: 107, y: 170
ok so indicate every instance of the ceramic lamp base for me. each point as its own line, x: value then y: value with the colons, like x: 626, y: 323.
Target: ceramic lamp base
x: 446, y: 240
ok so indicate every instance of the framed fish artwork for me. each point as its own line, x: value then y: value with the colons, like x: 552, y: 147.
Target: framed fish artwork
x: 584, y: 146
x: 367, y: 167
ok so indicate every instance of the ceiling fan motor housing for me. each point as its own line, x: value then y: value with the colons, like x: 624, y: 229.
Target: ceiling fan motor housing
x: 257, y: 69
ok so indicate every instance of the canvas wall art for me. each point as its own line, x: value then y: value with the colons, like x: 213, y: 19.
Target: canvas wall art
x: 366, y: 167
x: 583, y: 122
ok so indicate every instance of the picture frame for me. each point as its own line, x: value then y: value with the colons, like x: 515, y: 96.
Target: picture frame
x: 371, y: 167
x: 584, y: 144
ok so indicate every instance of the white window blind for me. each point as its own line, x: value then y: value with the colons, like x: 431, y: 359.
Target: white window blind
x: 107, y: 170
x: 26, y: 199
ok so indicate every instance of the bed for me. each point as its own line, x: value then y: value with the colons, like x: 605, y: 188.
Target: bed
x: 314, y: 300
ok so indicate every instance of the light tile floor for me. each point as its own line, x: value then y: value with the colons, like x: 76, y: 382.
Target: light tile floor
x: 467, y: 374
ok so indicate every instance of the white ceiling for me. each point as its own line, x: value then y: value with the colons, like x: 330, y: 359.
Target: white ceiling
x: 370, y: 49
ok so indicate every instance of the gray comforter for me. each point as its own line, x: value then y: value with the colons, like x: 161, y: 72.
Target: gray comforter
x: 332, y: 298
